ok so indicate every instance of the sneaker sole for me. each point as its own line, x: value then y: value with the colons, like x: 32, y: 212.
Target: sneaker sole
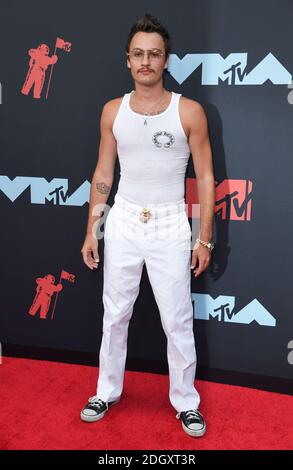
x: 93, y: 418
x: 193, y: 432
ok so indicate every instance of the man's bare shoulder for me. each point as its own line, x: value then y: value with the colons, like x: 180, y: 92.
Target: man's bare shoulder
x: 190, y: 106
x: 192, y: 113
x: 110, y: 110
x: 113, y: 105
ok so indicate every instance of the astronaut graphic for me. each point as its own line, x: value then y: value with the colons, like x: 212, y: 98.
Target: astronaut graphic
x: 38, y: 64
x: 46, y: 287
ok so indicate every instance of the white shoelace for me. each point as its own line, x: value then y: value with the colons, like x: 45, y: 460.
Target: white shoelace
x: 191, y: 414
x: 97, y: 402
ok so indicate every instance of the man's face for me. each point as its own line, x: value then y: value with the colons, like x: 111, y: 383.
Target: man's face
x: 142, y: 61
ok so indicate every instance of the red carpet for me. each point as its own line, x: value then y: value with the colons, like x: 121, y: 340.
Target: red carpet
x: 40, y: 404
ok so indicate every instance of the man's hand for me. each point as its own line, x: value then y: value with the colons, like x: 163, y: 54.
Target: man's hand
x: 90, y: 251
x: 201, y: 254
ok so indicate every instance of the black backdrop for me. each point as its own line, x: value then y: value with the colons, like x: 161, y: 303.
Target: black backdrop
x: 243, y: 315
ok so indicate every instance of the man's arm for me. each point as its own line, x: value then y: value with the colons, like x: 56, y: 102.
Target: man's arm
x: 200, y: 148
x: 101, y: 181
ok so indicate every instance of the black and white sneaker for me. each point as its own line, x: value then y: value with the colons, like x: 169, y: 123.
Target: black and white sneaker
x: 95, y: 409
x: 193, y: 422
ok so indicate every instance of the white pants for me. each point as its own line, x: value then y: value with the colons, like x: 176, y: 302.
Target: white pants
x: 163, y: 244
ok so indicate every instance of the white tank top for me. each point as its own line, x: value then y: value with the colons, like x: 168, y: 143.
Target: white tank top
x: 153, y: 157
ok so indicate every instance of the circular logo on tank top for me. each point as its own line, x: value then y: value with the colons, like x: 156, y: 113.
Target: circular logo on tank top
x: 163, y: 139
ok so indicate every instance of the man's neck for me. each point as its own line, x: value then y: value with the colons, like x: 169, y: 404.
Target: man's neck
x: 149, y: 94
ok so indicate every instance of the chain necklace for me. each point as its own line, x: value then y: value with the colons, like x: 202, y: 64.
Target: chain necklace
x: 147, y: 113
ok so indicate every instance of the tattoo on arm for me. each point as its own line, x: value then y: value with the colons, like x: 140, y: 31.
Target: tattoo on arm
x: 103, y: 188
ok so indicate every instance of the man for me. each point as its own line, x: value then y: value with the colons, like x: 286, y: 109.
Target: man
x: 153, y: 132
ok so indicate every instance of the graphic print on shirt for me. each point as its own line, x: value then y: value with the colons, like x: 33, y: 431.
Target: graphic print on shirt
x: 159, y: 142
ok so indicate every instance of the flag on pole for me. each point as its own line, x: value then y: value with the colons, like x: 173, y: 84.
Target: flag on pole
x: 61, y: 44
x: 67, y: 276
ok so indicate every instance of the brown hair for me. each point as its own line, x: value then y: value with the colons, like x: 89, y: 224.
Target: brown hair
x: 150, y: 24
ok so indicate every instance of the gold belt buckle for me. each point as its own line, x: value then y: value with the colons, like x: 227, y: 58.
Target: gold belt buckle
x: 145, y: 215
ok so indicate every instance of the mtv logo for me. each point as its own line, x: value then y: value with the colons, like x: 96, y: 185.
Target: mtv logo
x: 42, y: 191
x: 232, y: 69
x: 233, y: 198
x: 223, y: 309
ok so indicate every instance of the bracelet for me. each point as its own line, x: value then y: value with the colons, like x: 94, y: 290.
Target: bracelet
x: 209, y: 245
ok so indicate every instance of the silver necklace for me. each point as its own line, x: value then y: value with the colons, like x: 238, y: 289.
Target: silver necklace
x: 147, y: 113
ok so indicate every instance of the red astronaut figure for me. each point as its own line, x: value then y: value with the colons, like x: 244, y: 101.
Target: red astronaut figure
x: 38, y: 63
x: 45, y: 289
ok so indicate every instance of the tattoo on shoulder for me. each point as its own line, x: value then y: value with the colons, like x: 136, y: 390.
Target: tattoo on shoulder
x: 103, y: 188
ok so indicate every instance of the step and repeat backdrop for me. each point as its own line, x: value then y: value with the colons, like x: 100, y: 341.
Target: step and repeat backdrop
x: 60, y: 63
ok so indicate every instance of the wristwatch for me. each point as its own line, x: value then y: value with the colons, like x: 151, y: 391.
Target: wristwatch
x: 209, y: 245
